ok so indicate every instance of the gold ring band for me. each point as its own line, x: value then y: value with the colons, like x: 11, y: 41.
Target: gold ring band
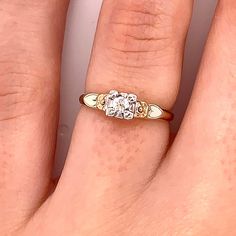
x: 124, y: 106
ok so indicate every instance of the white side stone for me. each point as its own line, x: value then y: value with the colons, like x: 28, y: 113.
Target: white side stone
x: 154, y: 112
x: 91, y: 100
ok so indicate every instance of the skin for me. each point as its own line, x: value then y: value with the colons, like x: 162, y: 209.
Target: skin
x: 120, y: 178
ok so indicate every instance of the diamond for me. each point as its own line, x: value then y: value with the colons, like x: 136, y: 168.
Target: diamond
x: 120, y: 105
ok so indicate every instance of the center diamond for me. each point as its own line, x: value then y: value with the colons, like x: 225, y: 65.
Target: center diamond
x: 120, y: 105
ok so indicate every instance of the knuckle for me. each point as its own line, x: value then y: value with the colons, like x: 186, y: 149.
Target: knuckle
x: 230, y: 3
x: 140, y: 32
x: 226, y: 9
x: 23, y: 93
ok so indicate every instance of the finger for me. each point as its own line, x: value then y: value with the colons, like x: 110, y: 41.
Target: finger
x: 138, y: 48
x: 204, y: 150
x: 30, y: 48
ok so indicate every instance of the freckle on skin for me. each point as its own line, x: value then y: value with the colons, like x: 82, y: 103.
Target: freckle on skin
x: 128, y: 160
x: 119, y: 186
x: 137, y: 150
x: 229, y: 178
x: 142, y: 141
x: 120, y: 158
x: 222, y: 162
x: 4, y: 153
x: 122, y: 169
x: 101, y: 162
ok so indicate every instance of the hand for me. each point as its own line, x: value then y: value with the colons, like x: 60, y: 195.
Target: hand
x: 120, y: 178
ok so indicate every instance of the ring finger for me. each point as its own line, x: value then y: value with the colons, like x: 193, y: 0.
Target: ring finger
x: 138, y: 48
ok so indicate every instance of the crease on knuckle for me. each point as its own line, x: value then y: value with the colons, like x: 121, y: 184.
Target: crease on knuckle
x: 226, y: 11
x: 23, y: 93
x: 139, y: 34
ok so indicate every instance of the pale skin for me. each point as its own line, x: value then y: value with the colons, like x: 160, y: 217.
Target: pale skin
x: 120, y: 178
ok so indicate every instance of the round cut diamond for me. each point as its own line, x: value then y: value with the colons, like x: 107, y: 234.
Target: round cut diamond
x: 120, y: 105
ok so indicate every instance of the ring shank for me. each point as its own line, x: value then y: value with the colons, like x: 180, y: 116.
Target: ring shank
x: 81, y: 99
x: 166, y: 115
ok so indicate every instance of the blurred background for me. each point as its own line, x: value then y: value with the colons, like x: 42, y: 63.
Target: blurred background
x: 80, y: 30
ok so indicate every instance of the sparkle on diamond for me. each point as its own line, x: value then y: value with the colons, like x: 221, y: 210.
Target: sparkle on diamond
x: 120, y: 105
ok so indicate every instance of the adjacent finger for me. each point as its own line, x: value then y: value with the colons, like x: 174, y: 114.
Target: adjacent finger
x: 203, y: 156
x: 31, y: 36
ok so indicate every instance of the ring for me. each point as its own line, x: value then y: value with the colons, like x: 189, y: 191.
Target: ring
x: 124, y: 106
